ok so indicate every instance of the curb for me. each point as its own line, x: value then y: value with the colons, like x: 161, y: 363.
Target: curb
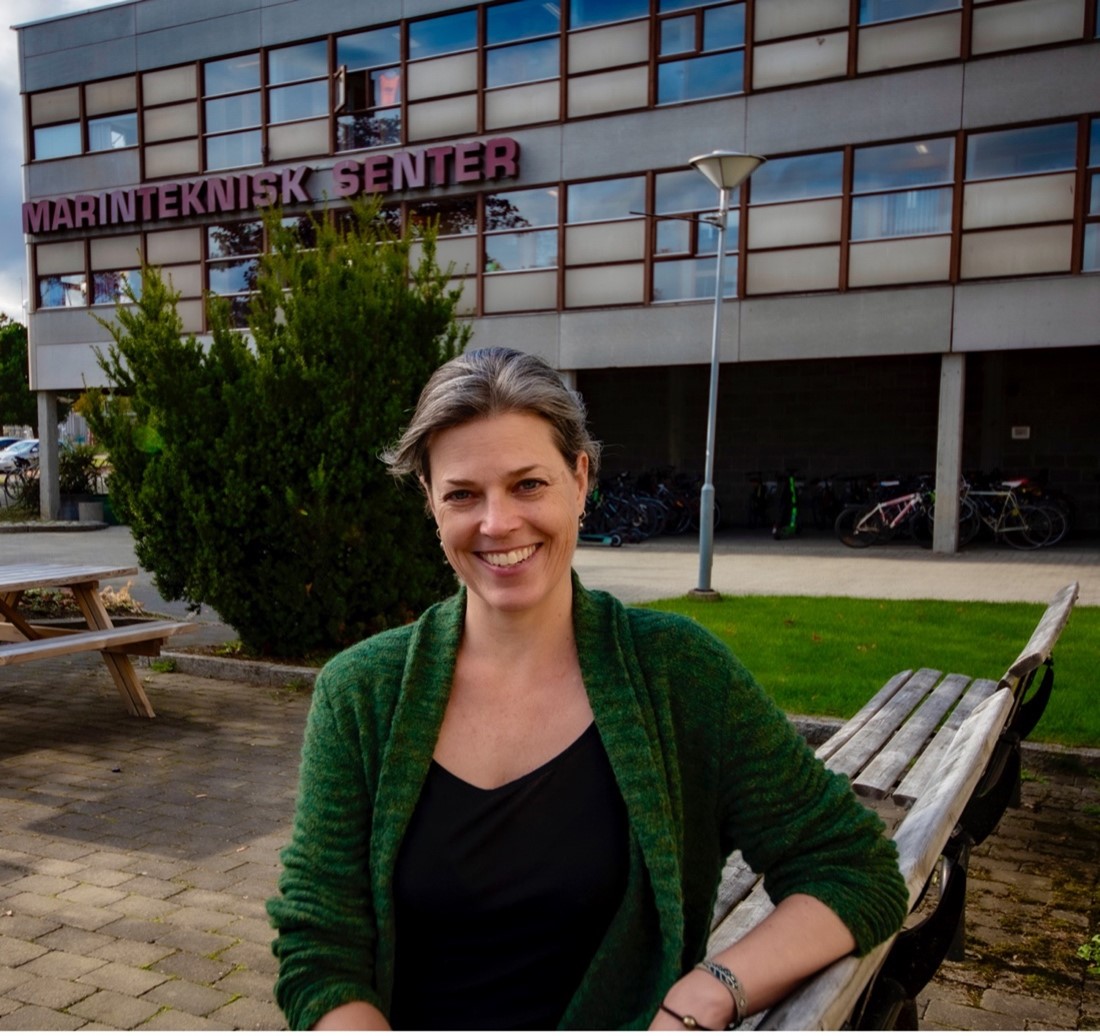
x: 53, y: 526
x: 258, y: 674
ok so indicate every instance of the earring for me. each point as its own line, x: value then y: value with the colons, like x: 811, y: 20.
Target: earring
x: 438, y: 535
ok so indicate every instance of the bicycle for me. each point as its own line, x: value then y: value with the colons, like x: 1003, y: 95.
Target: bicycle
x: 860, y: 525
x: 1022, y: 526
x: 788, y: 522
x: 21, y: 485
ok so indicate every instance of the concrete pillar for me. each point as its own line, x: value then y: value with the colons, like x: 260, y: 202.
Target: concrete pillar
x: 949, y: 442
x: 49, y: 487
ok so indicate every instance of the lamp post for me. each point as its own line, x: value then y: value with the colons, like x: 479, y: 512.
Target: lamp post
x: 726, y: 170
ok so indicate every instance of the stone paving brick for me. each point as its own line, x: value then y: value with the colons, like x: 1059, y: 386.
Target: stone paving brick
x: 91, y: 895
x: 41, y: 1019
x: 247, y: 1013
x: 196, y: 917
x: 145, y: 885
x: 943, y: 1015
x: 59, y: 964
x: 57, y: 993
x: 11, y: 977
x: 7, y: 1006
x: 104, y: 876
x: 30, y: 929
x: 203, y: 943
x: 42, y: 884
x: 171, y: 1020
x: 248, y: 983
x: 129, y: 951
x: 14, y: 952
x: 254, y: 956
x: 189, y: 996
x: 251, y: 930
x: 114, y: 1009
x: 193, y: 968
x: 122, y: 978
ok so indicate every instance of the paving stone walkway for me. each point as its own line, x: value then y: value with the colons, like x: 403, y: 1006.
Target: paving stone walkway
x: 136, y: 857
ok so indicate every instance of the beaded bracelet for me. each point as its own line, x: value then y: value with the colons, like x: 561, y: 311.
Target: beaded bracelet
x: 732, y: 984
x: 688, y: 1021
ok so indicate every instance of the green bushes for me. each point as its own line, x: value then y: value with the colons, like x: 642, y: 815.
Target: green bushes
x: 249, y: 472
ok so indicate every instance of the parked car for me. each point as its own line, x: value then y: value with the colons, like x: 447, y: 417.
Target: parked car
x: 6, y: 441
x: 19, y: 455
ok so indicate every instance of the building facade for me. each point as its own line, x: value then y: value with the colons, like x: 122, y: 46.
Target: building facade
x: 912, y: 280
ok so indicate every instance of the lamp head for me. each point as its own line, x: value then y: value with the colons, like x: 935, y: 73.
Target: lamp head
x: 727, y: 169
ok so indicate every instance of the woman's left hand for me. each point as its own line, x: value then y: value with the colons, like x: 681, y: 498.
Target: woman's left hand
x: 697, y: 995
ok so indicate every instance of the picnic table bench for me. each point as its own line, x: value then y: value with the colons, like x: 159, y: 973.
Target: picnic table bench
x: 22, y: 640
x: 938, y: 758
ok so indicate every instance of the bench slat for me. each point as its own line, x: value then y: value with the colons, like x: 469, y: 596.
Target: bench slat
x: 150, y: 633
x: 849, y: 729
x: 927, y: 766
x: 1050, y: 626
x: 880, y: 727
x: 15, y: 578
x: 879, y: 776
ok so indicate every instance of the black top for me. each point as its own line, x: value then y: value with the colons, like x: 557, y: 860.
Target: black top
x: 502, y: 896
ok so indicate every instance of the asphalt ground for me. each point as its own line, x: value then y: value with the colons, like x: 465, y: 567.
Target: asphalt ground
x: 136, y: 855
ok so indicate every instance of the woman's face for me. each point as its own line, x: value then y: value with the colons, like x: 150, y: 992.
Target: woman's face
x: 507, y: 504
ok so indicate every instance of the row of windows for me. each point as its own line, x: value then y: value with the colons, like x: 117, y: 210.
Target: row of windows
x: 516, y: 63
x: 937, y: 209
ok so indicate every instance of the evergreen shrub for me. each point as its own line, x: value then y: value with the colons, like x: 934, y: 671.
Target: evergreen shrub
x: 248, y: 470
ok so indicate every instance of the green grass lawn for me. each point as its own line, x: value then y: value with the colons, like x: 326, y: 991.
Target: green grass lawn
x: 825, y: 656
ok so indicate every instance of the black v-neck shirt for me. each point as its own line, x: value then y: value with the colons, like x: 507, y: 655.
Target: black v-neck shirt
x: 503, y: 895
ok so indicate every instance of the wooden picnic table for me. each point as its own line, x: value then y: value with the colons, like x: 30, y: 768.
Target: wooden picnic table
x: 938, y: 758
x: 24, y: 640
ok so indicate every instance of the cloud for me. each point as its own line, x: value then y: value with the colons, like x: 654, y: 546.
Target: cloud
x: 14, y: 287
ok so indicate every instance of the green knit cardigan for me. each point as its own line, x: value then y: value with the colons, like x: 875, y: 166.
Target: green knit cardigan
x: 706, y: 764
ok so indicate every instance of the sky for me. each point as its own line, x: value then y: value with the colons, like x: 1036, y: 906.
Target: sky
x: 14, y: 288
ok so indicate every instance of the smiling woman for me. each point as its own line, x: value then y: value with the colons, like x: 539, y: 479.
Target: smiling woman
x: 513, y: 813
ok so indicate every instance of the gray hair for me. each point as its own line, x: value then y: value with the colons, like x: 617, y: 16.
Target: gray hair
x: 485, y: 383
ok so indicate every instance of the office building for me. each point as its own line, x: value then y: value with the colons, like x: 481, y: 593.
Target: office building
x: 912, y: 278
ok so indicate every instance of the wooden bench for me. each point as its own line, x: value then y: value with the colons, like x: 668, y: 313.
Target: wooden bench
x: 24, y: 640
x: 938, y: 758
x: 141, y: 638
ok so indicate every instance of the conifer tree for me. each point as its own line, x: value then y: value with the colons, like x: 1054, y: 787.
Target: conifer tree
x: 248, y: 466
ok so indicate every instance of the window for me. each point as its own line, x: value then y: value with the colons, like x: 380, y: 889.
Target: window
x: 803, y: 176
x: 586, y: 13
x: 891, y: 192
x: 701, y: 54
x: 453, y: 216
x: 57, y: 141
x: 685, y: 250
x: 109, y: 286
x: 232, y: 110
x: 368, y: 99
x: 529, y: 30
x: 606, y: 199
x: 305, y: 66
x: 1092, y: 218
x: 61, y: 290
x: 447, y: 34
x: 511, y: 242
x: 113, y: 131
x: 233, y: 263
x: 889, y: 10
x: 1021, y: 152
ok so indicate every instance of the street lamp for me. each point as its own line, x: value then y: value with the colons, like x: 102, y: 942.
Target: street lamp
x: 726, y: 170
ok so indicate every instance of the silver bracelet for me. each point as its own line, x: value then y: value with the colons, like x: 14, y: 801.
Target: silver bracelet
x: 733, y: 986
